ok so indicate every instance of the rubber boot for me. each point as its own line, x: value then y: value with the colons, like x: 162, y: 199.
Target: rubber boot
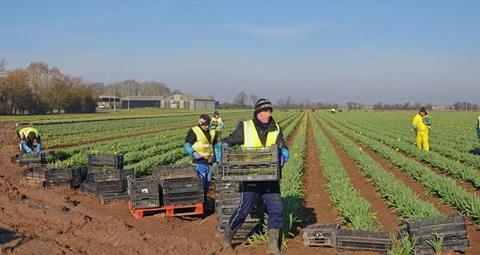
x: 227, y: 238
x: 272, y: 245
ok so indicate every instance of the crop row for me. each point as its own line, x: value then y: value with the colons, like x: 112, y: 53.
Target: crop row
x: 143, y: 152
x: 405, y: 202
x: 354, y: 209
x: 443, y: 187
x: 446, y: 165
x: 439, y: 145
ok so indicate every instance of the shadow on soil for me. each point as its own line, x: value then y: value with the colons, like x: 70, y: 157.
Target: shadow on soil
x: 9, y: 240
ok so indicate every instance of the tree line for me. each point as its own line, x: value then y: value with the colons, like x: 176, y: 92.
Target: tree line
x: 40, y: 89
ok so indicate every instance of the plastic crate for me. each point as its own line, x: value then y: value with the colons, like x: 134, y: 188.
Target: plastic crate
x: 182, y: 191
x: 324, y: 235
x: 250, y: 164
x: 174, y: 172
x: 70, y: 183
x: 451, y: 229
x: 363, y: 240
x: 105, y: 159
x: 59, y: 174
x: 144, y: 192
x: 35, y: 173
x: 29, y: 158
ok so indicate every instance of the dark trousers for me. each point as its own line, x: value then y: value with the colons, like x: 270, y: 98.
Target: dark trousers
x: 270, y: 193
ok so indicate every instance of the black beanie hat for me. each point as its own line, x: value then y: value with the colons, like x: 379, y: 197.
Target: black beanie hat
x: 422, y: 109
x: 263, y: 105
x: 204, y: 120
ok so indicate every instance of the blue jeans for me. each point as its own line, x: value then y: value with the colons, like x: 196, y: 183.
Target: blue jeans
x: 270, y: 193
x: 205, y: 172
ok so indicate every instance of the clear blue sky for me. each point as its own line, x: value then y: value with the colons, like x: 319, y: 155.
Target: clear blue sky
x: 335, y: 51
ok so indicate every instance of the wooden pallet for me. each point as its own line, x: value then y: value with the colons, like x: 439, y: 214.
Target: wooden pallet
x: 167, y: 211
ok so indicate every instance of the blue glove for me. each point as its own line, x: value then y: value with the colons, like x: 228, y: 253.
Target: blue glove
x: 38, y: 148
x: 197, y: 155
x: 188, y: 149
x: 218, y: 152
x: 225, y: 145
x: 25, y: 147
x: 284, y: 156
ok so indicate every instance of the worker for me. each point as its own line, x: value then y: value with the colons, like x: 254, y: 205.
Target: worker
x: 217, y: 123
x: 199, y: 144
x: 421, y: 125
x: 478, y: 128
x: 30, y: 141
x: 261, y: 131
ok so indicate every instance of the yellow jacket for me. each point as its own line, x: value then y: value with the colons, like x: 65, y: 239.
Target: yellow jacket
x: 418, y: 124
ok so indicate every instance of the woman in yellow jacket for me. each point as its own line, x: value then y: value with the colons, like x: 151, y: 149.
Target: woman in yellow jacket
x: 421, y: 125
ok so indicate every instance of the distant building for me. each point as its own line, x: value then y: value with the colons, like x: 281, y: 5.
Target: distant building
x: 106, y: 102
x: 169, y: 102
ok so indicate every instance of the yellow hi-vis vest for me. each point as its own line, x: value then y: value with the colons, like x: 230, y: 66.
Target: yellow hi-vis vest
x: 203, y: 146
x: 251, y: 138
x: 25, y: 131
x: 215, y: 122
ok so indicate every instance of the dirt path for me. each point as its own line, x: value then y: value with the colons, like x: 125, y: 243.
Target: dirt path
x: 384, y: 215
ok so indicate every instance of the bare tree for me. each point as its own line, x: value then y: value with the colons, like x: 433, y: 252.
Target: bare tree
x: 240, y: 99
x: 253, y: 99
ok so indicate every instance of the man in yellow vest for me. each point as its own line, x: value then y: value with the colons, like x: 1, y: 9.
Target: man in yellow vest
x: 261, y: 131
x: 421, y: 124
x: 217, y: 123
x: 199, y: 144
x: 30, y: 141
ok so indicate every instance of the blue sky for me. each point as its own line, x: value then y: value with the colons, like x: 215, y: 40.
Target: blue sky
x: 334, y: 51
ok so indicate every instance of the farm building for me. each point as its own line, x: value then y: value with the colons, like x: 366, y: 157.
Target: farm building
x: 105, y: 102
x: 174, y: 101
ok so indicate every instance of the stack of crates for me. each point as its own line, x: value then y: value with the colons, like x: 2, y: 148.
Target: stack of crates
x: 250, y: 164
x: 54, y: 177
x: 179, y: 185
x: 227, y: 201
x: 106, y: 179
x: 144, y: 192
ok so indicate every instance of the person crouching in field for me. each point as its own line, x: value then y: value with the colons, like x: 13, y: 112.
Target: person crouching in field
x: 30, y: 141
x: 199, y: 144
x: 421, y: 125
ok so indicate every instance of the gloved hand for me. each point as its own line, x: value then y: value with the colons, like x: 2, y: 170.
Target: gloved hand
x: 218, y: 152
x: 38, y: 148
x: 197, y: 155
x: 284, y: 156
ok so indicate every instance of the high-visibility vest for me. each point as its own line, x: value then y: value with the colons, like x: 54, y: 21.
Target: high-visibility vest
x: 203, y: 146
x: 25, y: 131
x: 215, y: 122
x: 251, y: 138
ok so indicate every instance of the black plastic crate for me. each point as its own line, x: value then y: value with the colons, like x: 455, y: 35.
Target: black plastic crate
x: 250, y: 164
x: 81, y: 173
x: 452, y: 229
x: 363, y: 240
x: 105, y: 159
x: 174, y: 172
x: 35, y: 173
x: 250, y: 226
x: 104, y: 176
x: 119, y: 186
x: 241, y: 155
x: 227, y: 187
x: 144, y: 192
x: 183, y: 185
x: 71, y: 183
x: 324, y: 235
x: 59, y: 174
x: 185, y: 198
x: 29, y: 158
x: 108, y: 197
